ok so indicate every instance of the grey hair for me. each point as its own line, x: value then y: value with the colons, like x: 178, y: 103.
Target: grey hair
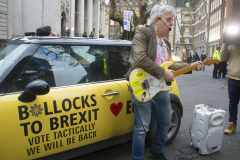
x: 160, y: 10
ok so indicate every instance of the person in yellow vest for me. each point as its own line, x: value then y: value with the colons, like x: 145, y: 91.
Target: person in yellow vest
x: 216, y: 55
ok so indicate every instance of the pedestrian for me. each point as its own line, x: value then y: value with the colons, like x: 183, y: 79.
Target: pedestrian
x: 68, y: 32
x: 203, y: 57
x: 148, y: 55
x: 50, y: 30
x: 77, y: 35
x: 189, y: 58
x: 231, y: 54
x: 195, y: 57
x: 65, y: 31
x: 216, y: 55
x: 91, y: 34
x: 222, y: 69
x: 42, y: 32
x: 84, y: 34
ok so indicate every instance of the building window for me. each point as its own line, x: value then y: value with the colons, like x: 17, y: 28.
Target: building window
x: 225, y: 12
x: 215, y: 17
x: 211, y: 7
x: 186, y: 40
x: 219, y: 13
x: 164, y: 2
x: 112, y: 22
x: 186, y: 30
x: 210, y: 35
x: 186, y: 18
x: 215, y: 32
x: 218, y: 31
x: 111, y: 31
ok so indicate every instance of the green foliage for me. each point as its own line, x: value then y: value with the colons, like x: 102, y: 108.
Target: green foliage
x: 127, y: 35
x: 135, y: 20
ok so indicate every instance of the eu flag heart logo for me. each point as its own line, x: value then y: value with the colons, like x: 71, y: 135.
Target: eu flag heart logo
x: 116, y: 109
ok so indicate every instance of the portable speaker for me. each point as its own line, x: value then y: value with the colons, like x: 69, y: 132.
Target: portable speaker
x: 207, y: 129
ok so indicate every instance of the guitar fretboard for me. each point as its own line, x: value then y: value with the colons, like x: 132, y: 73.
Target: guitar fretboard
x: 190, y: 68
x: 184, y: 70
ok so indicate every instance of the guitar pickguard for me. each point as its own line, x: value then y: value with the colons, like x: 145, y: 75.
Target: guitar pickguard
x: 156, y: 85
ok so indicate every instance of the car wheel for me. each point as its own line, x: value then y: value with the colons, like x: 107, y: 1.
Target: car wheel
x: 174, y: 127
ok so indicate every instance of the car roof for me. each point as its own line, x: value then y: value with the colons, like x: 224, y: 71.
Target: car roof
x: 70, y: 41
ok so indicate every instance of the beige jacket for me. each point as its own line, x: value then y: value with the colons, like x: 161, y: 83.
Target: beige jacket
x: 144, y: 52
x: 231, y: 53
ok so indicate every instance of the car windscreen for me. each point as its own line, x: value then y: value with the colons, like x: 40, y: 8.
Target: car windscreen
x: 9, y: 53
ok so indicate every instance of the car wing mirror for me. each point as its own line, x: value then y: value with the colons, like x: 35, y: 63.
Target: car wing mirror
x: 34, y: 88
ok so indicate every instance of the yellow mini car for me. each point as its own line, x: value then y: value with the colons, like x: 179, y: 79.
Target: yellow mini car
x: 63, y: 97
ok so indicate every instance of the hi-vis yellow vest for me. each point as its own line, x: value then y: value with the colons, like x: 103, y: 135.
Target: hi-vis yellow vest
x: 216, y: 55
x: 105, y: 67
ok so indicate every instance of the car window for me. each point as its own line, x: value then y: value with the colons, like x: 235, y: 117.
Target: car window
x: 64, y: 65
x: 8, y: 55
x: 118, y: 59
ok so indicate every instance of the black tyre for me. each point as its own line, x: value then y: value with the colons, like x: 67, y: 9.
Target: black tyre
x: 174, y: 128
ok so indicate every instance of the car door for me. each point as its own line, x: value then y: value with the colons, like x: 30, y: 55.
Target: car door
x: 118, y: 58
x: 83, y: 106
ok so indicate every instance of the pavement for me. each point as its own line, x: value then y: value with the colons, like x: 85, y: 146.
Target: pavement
x: 200, y: 88
x: 196, y: 88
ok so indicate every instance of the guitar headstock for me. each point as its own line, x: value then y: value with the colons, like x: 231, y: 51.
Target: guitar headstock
x: 209, y: 62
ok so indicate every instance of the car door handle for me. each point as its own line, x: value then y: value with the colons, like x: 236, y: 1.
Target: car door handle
x: 110, y: 94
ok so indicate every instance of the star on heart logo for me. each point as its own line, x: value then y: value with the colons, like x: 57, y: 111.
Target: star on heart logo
x: 116, y: 109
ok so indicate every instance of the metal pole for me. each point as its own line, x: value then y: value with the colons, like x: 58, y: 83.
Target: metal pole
x: 224, y: 84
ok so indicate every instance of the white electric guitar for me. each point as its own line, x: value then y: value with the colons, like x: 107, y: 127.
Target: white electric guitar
x: 146, y: 86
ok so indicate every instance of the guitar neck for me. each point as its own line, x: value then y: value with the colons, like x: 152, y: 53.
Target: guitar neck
x: 185, y: 70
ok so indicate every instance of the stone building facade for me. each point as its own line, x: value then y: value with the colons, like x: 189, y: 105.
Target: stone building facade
x: 221, y: 14
x: 20, y: 16
x: 217, y: 11
x: 183, y: 23
x: 3, y: 19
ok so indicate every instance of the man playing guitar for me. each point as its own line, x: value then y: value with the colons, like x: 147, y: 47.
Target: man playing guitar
x: 150, y: 49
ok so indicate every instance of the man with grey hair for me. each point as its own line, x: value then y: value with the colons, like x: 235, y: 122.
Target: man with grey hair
x: 150, y: 49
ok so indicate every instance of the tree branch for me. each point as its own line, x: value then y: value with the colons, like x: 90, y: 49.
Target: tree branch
x: 114, y: 15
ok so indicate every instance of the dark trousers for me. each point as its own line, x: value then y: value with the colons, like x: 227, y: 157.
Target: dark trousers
x: 215, y: 70
x: 222, y: 69
x: 234, y: 95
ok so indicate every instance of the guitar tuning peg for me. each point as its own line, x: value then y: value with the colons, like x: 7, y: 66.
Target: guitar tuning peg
x: 206, y: 63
